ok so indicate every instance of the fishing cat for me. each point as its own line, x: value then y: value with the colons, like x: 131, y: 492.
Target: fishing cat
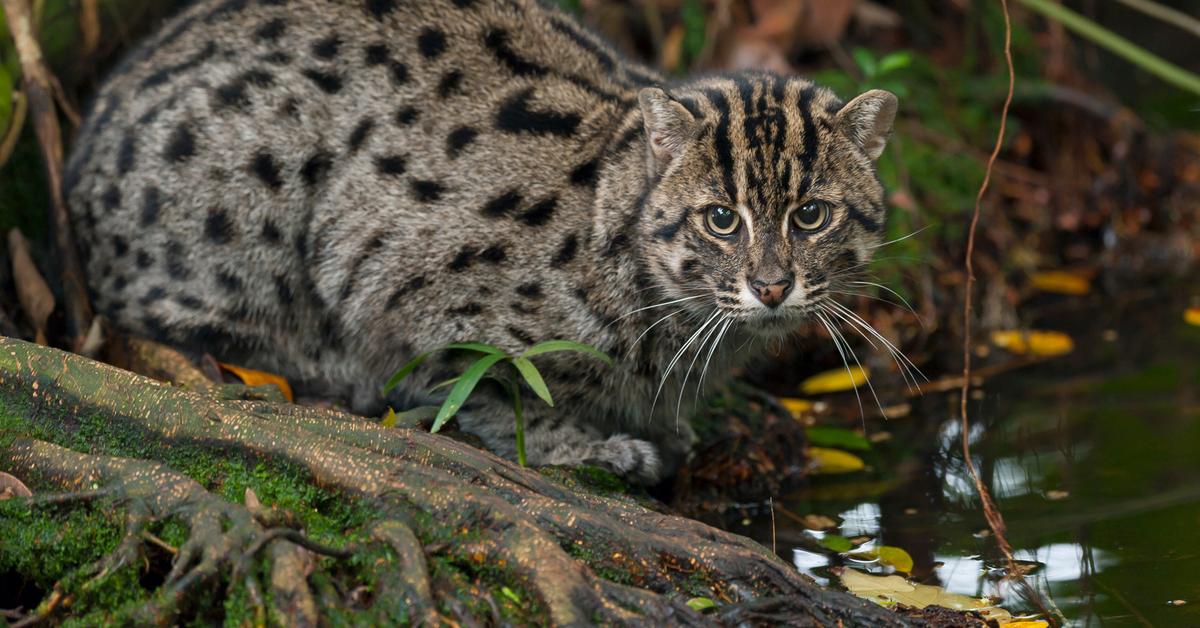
x: 325, y: 188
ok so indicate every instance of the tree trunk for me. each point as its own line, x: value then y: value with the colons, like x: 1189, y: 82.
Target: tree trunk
x: 251, y: 511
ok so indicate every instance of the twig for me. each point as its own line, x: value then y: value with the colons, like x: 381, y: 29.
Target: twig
x: 771, y: 503
x: 299, y: 539
x: 994, y: 519
x: 160, y: 543
x: 39, y: 87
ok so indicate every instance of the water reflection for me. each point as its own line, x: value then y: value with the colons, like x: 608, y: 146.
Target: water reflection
x: 1095, y: 463
x: 861, y: 520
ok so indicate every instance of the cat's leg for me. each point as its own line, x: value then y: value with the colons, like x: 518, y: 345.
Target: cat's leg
x: 632, y: 458
x: 552, y: 440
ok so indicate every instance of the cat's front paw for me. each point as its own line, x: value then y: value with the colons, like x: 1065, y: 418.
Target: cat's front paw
x: 634, y: 459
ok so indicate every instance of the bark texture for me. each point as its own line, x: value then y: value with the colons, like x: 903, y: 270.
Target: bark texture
x: 533, y: 549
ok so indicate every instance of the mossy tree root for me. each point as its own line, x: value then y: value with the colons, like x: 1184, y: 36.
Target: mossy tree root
x: 577, y: 556
x: 223, y: 535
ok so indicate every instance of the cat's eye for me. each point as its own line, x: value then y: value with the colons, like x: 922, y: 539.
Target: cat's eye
x: 722, y: 221
x: 811, y: 216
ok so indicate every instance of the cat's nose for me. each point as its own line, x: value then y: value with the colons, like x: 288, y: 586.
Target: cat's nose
x: 771, y: 293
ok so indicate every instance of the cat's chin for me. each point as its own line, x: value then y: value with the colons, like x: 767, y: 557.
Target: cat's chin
x: 773, y: 322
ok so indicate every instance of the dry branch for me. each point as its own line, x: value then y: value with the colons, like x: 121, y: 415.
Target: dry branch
x: 40, y: 88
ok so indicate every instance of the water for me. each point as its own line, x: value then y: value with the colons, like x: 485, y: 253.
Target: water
x: 1094, y: 460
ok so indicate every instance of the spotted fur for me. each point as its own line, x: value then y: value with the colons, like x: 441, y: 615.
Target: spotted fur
x: 325, y: 198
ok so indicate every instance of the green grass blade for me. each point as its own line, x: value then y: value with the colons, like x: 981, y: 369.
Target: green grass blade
x: 462, y: 389
x: 1118, y: 45
x: 405, y: 371
x: 533, y: 378
x: 475, y: 346
x: 565, y: 345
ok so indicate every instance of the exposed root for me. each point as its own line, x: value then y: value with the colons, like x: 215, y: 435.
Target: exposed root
x: 223, y: 537
x: 549, y: 541
x: 407, y: 583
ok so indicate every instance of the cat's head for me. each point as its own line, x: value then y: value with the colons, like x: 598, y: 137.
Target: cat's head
x: 765, y: 193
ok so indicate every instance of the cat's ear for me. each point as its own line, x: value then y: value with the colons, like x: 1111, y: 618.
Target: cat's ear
x: 669, y: 125
x: 867, y: 120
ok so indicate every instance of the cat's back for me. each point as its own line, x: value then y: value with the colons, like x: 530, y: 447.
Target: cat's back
x: 200, y: 181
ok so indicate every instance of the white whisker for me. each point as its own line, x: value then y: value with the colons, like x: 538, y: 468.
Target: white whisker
x: 711, y: 350
x: 699, y: 349
x: 656, y: 305
x: 889, y: 290
x: 850, y: 293
x: 866, y: 378
x: 906, y: 366
x: 837, y: 345
x: 678, y: 354
x: 878, y: 246
x: 647, y: 330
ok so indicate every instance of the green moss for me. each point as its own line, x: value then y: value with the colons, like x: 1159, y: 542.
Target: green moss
x: 45, y: 545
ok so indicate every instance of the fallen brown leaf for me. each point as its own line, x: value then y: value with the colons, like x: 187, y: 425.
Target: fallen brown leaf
x: 251, y: 377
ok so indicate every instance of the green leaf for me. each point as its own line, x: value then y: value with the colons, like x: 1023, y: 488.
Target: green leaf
x: 510, y: 594
x: 534, y: 379
x: 895, y: 61
x: 442, y: 384
x: 463, y: 388
x: 475, y: 346
x: 701, y: 604
x: 836, y: 542
x: 565, y: 345
x: 840, y: 437
x: 865, y: 61
x: 405, y: 371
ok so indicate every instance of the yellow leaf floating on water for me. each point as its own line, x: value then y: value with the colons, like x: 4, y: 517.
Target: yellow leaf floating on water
x: 1060, y: 282
x: 892, y: 590
x: 798, y: 407
x: 826, y: 461
x: 889, y: 555
x: 836, y: 380
x: 1192, y: 316
x: 251, y: 377
x: 1039, y: 343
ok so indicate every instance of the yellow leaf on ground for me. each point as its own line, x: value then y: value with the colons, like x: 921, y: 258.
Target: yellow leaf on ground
x: 1060, y: 282
x: 798, y: 407
x: 836, y: 380
x: 1192, y: 316
x: 1035, y: 623
x: 1038, y: 343
x: 892, y: 590
x: 826, y: 461
x: 891, y: 556
x: 251, y: 377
